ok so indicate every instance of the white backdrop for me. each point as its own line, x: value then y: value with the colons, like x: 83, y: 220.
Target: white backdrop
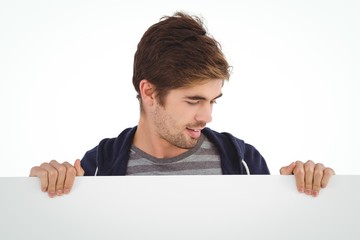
x: 66, y: 71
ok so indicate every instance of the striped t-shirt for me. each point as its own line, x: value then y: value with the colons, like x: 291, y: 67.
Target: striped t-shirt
x: 203, y: 159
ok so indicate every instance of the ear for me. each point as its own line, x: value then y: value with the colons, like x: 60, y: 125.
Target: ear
x: 147, y: 92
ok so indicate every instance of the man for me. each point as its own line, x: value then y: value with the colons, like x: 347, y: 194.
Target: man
x: 179, y: 71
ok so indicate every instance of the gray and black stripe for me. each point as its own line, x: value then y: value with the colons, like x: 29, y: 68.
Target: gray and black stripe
x: 203, y: 159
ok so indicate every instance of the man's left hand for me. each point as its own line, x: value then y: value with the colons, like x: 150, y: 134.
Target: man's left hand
x: 310, y: 177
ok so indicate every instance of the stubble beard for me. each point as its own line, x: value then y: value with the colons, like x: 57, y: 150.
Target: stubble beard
x: 170, y: 131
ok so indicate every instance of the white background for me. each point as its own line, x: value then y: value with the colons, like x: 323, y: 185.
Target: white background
x: 66, y: 77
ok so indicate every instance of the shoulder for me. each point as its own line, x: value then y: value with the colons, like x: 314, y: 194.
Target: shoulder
x: 223, y: 137
x: 107, y: 151
x: 109, y: 148
x: 227, y: 138
x: 124, y: 137
x: 231, y: 147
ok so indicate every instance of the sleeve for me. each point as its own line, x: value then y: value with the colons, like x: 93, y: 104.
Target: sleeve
x: 89, y: 163
x: 255, y: 161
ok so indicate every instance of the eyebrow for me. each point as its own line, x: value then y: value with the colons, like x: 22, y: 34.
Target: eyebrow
x: 198, y: 97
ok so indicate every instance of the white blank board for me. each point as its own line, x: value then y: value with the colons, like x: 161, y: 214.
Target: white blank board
x: 180, y: 207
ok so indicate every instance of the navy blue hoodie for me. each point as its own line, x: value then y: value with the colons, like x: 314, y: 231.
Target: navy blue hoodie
x: 111, y: 156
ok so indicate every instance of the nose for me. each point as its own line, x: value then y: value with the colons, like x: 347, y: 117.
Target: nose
x: 204, y: 114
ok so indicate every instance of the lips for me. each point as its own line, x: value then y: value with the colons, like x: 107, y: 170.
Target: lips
x: 194, y: 132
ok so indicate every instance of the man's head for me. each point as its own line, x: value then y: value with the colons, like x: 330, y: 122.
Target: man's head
x: 177, y: 52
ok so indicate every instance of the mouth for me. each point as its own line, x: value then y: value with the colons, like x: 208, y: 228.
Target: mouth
x: 194, y: 132
x: 194, y: 129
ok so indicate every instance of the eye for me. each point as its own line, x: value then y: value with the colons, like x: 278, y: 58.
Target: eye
x: 193, y: 102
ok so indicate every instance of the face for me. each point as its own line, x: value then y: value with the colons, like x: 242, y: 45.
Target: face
x: 185, y: 113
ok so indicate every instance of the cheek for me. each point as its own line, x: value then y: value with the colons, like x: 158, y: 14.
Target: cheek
x: 184, y: 114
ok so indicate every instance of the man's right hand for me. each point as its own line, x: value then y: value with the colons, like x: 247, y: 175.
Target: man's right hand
x: 56, y: 178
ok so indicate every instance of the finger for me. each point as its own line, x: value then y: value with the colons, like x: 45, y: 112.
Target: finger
x: 61, y: 170
x: 299, y: 176
x: 288, y: 170
x: 318, y: 175
x: 70, y: 177
x: 79, y: 170
x: 328, y: 173
x: 42, y: 174
x: 309, y: 176
x: 52, y: 178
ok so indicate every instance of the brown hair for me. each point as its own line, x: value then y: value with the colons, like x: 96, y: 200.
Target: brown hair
x: 177, y: 52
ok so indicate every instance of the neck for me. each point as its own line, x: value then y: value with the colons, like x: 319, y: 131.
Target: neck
x: 148, y: 140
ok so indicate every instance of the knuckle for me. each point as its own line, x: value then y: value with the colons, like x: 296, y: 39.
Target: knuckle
x: 43, y: 174
x: 309, y: 162
x: 61, y: 169
x: 316, y: 186
x: 71, y: 171
x: 328, y: 171
x: 318, y: 174
x: 53, y: 161
x: 309, y: 171
x: 320, y: 165
x: 44, y: 164
x: 53, y: 174
x: 323, y: 184
x: 300, y: 184
x: 35, y: 171
x: 299, y: 171
x: 309, y: 166
x: 298, y: 162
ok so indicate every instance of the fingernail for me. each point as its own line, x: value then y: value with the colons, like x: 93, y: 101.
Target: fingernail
x: 59, y: 192
x: 66, y: 190
x: 301, y: 190
x: 315, y: 193
x: 51, y: 194
x: 308, y: 192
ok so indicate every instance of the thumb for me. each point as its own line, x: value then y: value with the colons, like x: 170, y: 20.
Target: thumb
x: 79, y: 170
x: 288, y: 170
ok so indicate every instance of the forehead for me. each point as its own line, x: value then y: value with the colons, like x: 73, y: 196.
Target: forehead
x: 206, y: 88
